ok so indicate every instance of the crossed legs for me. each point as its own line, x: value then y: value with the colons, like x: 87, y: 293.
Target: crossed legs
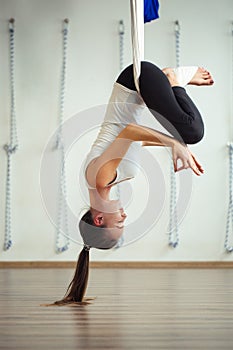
x: 169, y: 102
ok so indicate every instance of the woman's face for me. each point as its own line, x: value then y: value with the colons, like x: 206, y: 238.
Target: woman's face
x: 115, y: 222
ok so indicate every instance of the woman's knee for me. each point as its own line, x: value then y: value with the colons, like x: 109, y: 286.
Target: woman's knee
x: 194, y: 136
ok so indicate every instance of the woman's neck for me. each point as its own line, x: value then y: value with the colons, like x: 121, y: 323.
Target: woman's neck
x: 99, y: 200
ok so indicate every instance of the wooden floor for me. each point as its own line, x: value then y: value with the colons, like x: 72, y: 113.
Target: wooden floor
x: 134, y: 309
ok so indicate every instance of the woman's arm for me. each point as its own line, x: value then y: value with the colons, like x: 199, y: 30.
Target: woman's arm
x: 135, y: 132
x: 103, y: 170
x: 150, y: 137
x: 149, y: 143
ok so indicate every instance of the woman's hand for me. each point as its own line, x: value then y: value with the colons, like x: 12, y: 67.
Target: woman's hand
x: 135, y: 132
x: 182, y: 153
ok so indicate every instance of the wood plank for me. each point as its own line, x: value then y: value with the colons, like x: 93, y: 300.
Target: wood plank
x: 120, y: 264
x: 138, y: 309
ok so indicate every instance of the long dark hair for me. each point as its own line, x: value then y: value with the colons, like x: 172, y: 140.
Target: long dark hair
x: 95, y: 237
x: 77, y: 287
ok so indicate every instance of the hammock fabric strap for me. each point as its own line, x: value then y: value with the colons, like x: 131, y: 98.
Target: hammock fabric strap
x: 137, y: 37
x: 151, y: 10
x: 142, y: 11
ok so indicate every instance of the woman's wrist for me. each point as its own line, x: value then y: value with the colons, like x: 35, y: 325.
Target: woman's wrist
x: 175, y: 142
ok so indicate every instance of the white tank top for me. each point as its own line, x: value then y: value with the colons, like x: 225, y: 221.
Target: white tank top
x: 125, y: 107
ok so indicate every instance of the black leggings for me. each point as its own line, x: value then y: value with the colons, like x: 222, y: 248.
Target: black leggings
x: 171, y: 106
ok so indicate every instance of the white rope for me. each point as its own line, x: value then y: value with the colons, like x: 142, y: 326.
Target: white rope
x: 121, y: 239
x: 177, y: 43
x: 121, y: 32
x: 121, y: 43
x: 173, y: 232
x: 12, y: 147
x: 62, y: 195
x: 229, y: 223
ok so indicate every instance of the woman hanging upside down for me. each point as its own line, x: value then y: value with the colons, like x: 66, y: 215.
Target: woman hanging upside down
x: 112, y: 156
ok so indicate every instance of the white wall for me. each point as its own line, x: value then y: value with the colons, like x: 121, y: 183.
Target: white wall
x: 93, y: 65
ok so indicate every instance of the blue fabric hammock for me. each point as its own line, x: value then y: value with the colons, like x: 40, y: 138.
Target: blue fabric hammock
x: 151, y: 10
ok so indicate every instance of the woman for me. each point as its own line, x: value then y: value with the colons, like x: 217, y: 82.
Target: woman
x: 113, y: 154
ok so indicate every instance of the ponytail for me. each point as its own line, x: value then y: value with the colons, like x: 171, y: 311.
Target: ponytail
x: 93, y: 236
x: 77, y: 287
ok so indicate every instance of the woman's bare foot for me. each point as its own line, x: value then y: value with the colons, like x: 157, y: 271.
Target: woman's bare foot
x: 170, y: 74
x: 201, y: 77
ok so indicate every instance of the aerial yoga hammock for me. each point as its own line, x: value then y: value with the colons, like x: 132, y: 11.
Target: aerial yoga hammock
x: 114, y: 154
